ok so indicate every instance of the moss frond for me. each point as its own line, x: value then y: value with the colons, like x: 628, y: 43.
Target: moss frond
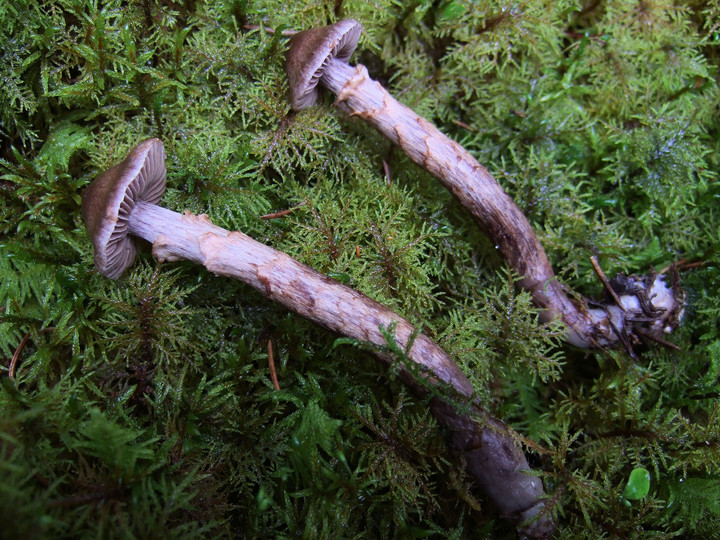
x: 144, y: 407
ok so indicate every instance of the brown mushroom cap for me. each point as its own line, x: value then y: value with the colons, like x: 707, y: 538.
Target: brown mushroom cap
x: 309, y: 53
x: 111, y: 197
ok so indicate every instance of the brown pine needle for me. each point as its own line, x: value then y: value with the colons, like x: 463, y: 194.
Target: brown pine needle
x: 281, y: 213
x: 18, y: 351
x: 464, y: 125
x: 386, y: 168
x: 683, y: 264
x: 605, y: 281
x: 16, y: 356
x: 271, y: 363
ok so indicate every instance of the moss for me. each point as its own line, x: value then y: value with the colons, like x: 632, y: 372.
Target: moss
x: 144, y: 407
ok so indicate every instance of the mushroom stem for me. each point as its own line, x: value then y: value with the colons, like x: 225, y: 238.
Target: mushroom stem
x: 459, y: 172
x: 490, y: 451
x: 281, y: 278
x: 496, y: 213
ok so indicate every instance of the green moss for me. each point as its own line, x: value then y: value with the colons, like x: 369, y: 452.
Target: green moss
x: 144, y: 407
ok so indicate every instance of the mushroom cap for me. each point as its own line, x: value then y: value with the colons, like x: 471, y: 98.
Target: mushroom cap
x: 309, y: 53
x: 111, y: 197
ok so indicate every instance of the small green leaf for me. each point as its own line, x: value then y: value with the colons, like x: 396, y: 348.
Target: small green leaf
x: 342, y: 277
x: 263, y: 501
x: 450, y: 10
x: 638, y: 485
x: 604, y: 201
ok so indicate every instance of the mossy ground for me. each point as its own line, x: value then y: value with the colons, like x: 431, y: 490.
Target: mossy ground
x: 143, y: 407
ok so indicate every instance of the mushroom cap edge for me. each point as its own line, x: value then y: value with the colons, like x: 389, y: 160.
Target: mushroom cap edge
x: 309, y: 53
x: 110, y: 198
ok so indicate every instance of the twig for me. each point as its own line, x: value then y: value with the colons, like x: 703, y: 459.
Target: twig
x: 657, y: 339
x: 271, y: 363
x: 605, y: 281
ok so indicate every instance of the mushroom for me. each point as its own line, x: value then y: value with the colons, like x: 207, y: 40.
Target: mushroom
x: 114, y: 200
x: 120, y: 206
x: 320, y: 55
